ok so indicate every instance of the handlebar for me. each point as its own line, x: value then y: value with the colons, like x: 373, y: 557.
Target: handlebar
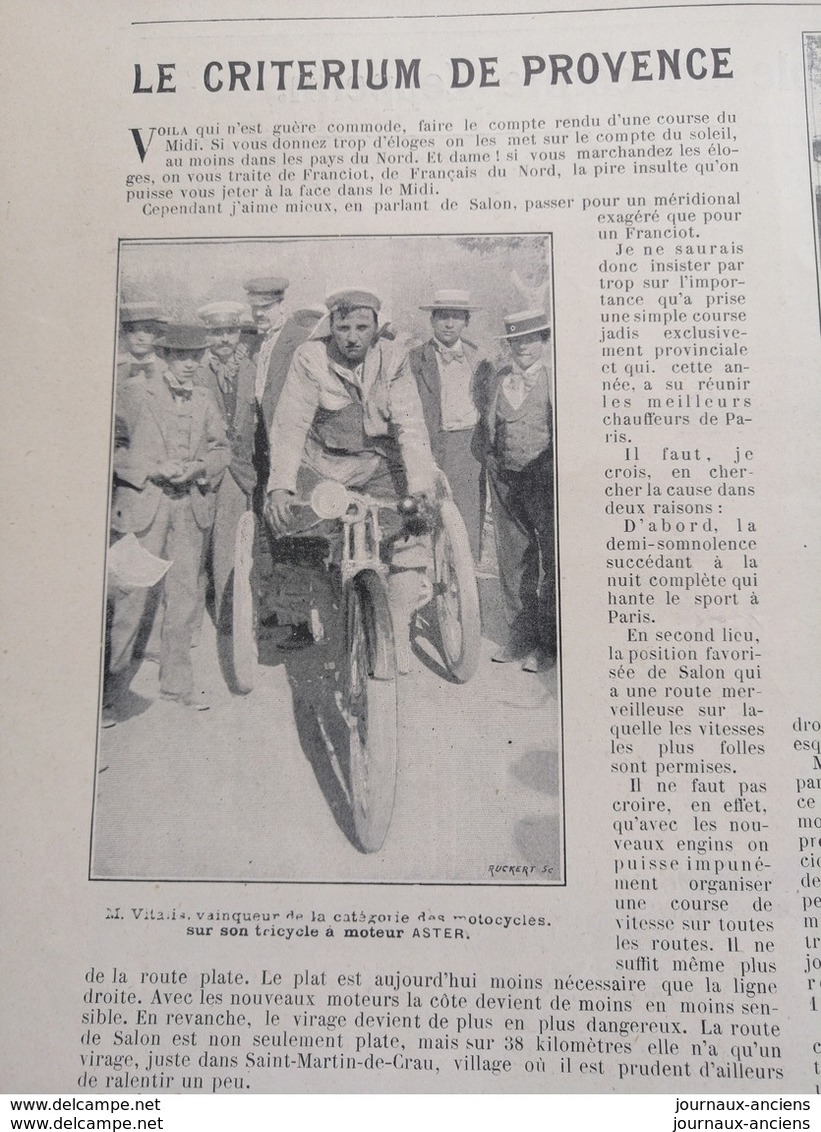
x: 332, y: 500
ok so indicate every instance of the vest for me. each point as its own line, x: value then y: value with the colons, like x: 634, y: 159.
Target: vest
x: 342, y: 430
x: 523, y: 434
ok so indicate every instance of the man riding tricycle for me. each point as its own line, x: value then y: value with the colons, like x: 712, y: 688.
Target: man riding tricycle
x: 351, y: 465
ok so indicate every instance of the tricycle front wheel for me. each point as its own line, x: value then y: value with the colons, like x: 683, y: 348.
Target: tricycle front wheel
x: 370, y: 708
x: 243, y: 628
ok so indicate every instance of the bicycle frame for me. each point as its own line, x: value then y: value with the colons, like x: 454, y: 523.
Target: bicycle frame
x: 362, y: 537
x: 361, y: 529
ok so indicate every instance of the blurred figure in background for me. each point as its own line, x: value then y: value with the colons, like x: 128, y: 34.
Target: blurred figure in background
x: 518, y: 424
x: 279, y: 335
x: 450, y: 374
x: 229, y: 376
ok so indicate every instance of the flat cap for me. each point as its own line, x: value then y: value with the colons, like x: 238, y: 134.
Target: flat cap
x: 524, y: 322
x: 184, y: 336
x: 222, y: 314
x: 352, y: 299
x: 142, y: 312
x: 266, y: 290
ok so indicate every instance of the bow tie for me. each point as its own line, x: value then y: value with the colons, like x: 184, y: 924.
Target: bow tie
x: 447, y: 355
x: 138, y: 368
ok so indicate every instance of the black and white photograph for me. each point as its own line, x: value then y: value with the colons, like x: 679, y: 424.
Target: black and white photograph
x: 411, y: 563
x: 331, y: 633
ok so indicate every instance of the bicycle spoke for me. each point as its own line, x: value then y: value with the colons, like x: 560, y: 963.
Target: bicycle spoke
x: 448, y: 602
x: 370, y: 713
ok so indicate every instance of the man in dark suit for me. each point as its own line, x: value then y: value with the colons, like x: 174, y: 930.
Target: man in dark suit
x: 166, y: 477
x: 229, y: 375
x: 450, y: 372
x: 278, y: 336
x: 518, y: 422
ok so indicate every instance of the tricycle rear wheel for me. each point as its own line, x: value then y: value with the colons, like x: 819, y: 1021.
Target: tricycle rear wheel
x: 456, y: 595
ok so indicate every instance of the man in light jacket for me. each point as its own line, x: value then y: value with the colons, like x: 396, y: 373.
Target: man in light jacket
x: 350, y: 411
x: 166, y: 478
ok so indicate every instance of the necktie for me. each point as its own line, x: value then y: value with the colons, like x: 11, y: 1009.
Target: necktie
x: 518, y: 384
x: 225, y: 373
x: 180, y: 390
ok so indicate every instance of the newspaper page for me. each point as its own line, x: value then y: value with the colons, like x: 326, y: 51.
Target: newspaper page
x: 412, y: 552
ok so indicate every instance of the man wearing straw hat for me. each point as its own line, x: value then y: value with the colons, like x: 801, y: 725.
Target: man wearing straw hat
x: 519, y: 431
x: 166, y: 478
x: 141, y: 325
x: 450, y: 372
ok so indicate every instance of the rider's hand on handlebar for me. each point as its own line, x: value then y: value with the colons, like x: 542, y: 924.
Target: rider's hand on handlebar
x: 416, y: 511
x: 278, y: 509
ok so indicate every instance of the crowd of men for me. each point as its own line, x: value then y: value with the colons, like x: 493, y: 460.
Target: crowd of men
x: 249, y: 406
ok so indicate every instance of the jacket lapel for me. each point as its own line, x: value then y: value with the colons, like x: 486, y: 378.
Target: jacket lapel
x: 472, y: 357
x: 198, y: 405
x: 156, y: 393
x: 153, y: 404
x: 490, y: 419
x: 283, y: 345
x: 430, y: 372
